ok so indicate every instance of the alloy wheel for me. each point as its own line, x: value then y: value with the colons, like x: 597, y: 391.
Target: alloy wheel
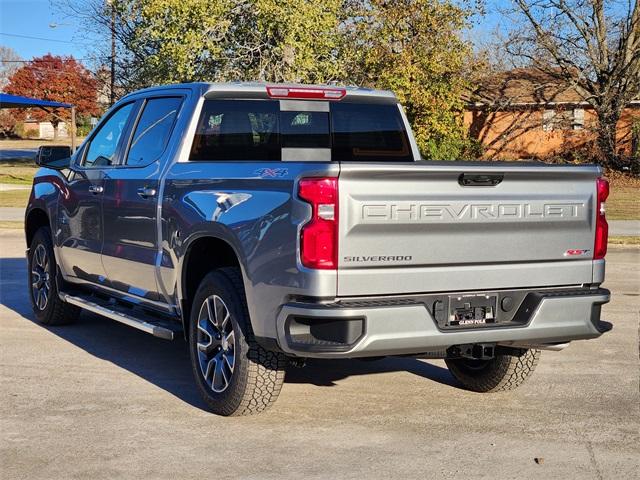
x: 216, y: 343
x: 40, y: 277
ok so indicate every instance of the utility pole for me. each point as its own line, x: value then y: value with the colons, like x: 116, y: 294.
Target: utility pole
x: 112, y: 90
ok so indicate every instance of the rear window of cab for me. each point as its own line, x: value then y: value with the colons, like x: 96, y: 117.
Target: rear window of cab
x: 258, y: 130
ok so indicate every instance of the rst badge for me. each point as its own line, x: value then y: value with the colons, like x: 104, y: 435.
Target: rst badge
x: 576, y: 252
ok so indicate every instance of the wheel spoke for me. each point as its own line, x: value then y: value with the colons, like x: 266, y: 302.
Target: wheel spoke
x: 225, y: 320
x: 230, y: 339
x: 40, y: 253
x: 216, y: 375
x: 225, y: 378
x: 211, y: 366
x: 211, y: 309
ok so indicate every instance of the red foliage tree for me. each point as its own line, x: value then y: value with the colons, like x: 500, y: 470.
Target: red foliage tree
x: 59, y: 79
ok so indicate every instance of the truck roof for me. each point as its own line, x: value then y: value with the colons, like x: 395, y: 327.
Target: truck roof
x: 259, y: 90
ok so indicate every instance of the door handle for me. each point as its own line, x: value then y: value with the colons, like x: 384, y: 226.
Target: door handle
x: 96, y: 189
x: 146, y: 192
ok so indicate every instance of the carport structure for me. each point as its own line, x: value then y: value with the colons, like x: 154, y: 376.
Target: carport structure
x: 17, y: 101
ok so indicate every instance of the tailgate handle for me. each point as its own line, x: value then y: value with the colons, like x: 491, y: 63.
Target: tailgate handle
x: 479, y: 180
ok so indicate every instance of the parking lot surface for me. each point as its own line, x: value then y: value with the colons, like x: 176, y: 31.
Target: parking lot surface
x: 101, y: 400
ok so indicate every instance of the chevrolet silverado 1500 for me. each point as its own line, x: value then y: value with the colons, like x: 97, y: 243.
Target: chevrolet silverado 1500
x: 277, y: 222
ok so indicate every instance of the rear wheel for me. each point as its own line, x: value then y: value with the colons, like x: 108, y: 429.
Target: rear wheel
x: 234, y: 375
x: 47, y: 306
x: 503, y: 372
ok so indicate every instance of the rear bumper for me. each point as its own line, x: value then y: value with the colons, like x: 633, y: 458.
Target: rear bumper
x: 381, y: 328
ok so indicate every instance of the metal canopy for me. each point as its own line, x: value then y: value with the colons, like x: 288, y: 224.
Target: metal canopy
x: 16, y: 101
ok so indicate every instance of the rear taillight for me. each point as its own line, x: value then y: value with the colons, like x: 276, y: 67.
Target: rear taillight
x: 315, y: 93
x: 319, y: 236
x: 602, y: 228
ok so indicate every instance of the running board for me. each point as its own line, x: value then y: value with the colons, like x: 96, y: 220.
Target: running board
x: 149, y: 324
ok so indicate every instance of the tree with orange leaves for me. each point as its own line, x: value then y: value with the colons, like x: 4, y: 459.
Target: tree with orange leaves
x: 59, y: 79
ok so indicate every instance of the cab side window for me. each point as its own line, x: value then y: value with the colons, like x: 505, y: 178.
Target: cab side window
x: 153, y: 130
x: 104, y: 143
x: 235, y: 130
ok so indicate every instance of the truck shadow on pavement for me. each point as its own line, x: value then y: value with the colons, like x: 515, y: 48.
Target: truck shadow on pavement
x: 166, y: 364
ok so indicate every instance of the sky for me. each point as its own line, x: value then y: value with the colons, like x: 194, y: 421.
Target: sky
x: 32, y: 18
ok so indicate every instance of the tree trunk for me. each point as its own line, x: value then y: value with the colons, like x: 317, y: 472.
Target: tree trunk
x: 55, y: 130
x: 607, y: 142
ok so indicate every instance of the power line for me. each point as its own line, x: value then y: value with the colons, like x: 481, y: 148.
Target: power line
x: 35, y: 38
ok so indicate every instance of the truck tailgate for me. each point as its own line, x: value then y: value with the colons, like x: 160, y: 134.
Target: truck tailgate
x: 411, y: 228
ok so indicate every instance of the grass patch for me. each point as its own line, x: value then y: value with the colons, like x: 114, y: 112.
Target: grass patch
x: 17, y: 172
x: 624, y: 240
x: 624, y: 203
x: 19, y: 143
x: 11, y: 225
x: 14, y: 198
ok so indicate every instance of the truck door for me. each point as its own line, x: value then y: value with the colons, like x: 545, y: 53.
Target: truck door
x: 80, y: 230
x: 130, y: 204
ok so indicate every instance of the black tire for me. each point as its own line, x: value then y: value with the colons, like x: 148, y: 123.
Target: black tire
x: 52, y: 310
x: 257, y: 375
x: 503, y: 372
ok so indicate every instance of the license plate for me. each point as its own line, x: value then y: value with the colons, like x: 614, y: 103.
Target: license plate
x: 472, y: 310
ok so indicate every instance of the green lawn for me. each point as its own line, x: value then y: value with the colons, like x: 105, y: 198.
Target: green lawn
x: 624, y: 241
x: 17, y: 172
x: 11, y: 224
x: 14, y: 198
x: 624, y: 203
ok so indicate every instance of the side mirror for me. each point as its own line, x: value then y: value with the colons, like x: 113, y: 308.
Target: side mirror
x: 57, y: 157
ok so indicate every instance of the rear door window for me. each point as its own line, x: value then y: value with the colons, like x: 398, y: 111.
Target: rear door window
x: 153, y: 130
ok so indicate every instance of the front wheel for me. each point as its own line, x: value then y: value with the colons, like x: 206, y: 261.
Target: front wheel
x: 503, y: 372
x: 47, y: 306
x: 235, y: 375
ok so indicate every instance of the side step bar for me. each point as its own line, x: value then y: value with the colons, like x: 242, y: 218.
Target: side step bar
x: 148, y: 325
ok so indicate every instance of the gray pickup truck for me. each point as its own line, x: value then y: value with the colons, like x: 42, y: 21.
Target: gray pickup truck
x: 275, y: 223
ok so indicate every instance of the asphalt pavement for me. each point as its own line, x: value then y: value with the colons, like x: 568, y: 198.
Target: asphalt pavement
x: 99, y: 400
